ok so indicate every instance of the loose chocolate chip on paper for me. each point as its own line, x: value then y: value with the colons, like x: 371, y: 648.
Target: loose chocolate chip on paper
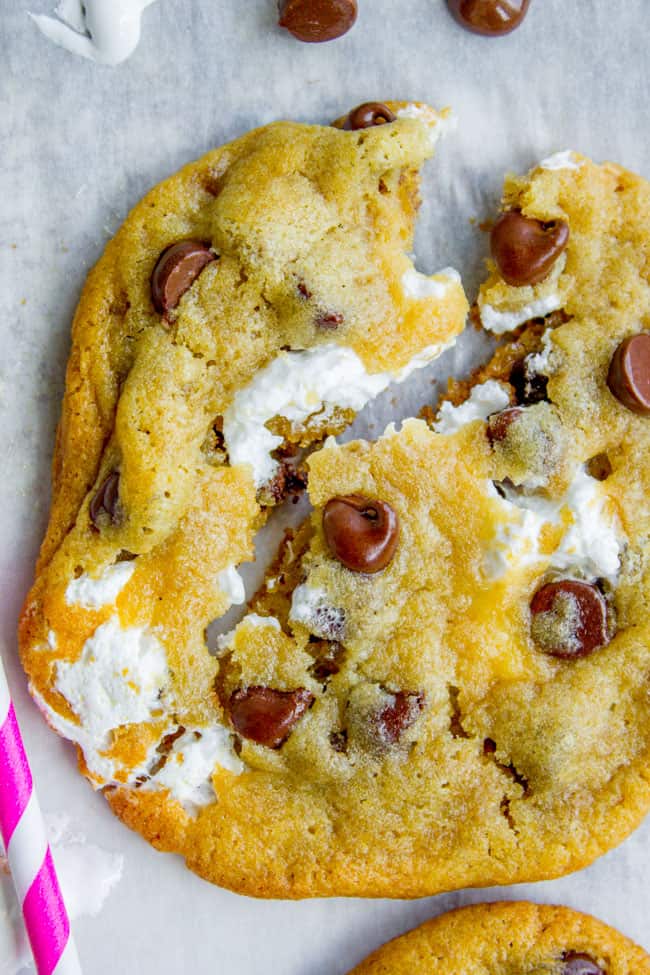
x: 267, y: 716
x: 492, y: 18
x: 569, y: 618
x: 629, y: 374
x: 104, y: 505
x: 525, y: 249
x: 362, y: 533
x: 177, y: 269
x: 315, y: 21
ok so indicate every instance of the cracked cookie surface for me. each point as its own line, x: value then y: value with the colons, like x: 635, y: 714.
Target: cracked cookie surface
x: 514, y: 938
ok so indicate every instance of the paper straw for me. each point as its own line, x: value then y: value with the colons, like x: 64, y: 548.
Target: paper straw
x: 28, y: 852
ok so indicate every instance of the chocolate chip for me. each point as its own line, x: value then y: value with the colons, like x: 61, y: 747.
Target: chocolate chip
x: 315, y: 21
x: 177, y: 269
x: 569, y: 618
x: 328, y: 655
x: 214, y: 446
x: 103, y: 508
x: 339, y: 741
x: 324, y: 669
x: 286, y: 480
x: 491, y: 18
x: 576, y: 963
x: 530, y: 386
x: 267, y: 716
x: 599, y: 467
x: 525, y: 249
x: 398, y: 715
x: 629, y: 374
x: 361, y: 532
x: 329, y: 320
x: 367, y: 115
x: 163, y: 751
x: 304, y: 291
x: 499, y: 423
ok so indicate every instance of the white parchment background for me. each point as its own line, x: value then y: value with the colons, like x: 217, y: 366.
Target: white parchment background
x: 80, y: 145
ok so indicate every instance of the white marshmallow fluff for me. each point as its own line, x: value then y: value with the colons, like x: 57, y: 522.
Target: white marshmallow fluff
x: 106, y: 31
x: 232, y: 585
x: 590, y: 547
x: 566, y: 159
x: 498, y: 322
x: 92, y: 593
x: 117, y: 680
x: 501, y: 320
x: 486, y: 398
x: 434, y: 122
x: 420, y: 286
x: 298, y: 385
x: 190, y: 765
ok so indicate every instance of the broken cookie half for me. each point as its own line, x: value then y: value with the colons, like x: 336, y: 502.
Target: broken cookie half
x: 249, y: 306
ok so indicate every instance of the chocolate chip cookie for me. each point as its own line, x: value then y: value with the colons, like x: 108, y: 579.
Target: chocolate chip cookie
x: 248, y: 307
x: 509, y: 937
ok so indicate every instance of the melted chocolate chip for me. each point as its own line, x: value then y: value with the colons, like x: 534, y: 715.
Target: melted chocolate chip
x: 577, y: 963
x: 362, y: 533
x: 489, y: 746
x: 492, y: 18
x: 530, y: 387
x: 367, y: 115
x: 339, y: 741
x: 328, y: 655
x: 214, y: 446
x: 267, y: 716
x: 287, y: 480
x: 177, y: 269
x: 314, y: 21
x: 569, y: 618
x: 525, y: 249
x: 398, y: 715
x: 629, y: 374
x: 599, y: 467
x: 329, y: 320
x: 499, y: 423
x: 103, y: 508
x: 304, y: 291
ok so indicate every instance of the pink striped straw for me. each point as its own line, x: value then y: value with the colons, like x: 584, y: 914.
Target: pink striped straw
x: 28, y: 852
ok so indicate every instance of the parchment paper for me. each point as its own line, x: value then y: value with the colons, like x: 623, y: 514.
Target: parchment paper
x: 80, y: 145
